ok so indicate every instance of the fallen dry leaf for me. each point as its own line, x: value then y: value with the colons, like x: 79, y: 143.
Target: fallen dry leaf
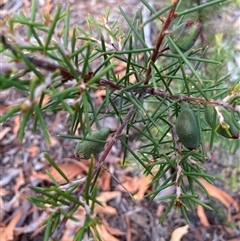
x: 120, y: 67
x: 33, y: 150
x: 16, y: 126
x: 67, y: 237
x: 3, y: 132
x: 3, y: 108
x: 53, y: 141
x: 111, y: 230
x: 100, y: 93
x: 142, y: 187
x: 80, y: 214
x: 202, y: 216
x: 33, y: 227
x: 134, y: 185
x: 103, y: 198
x: 83, y: 165
x: 3, y: 192
x: 130, y: 183
x: 71, y: 171
x: 106, y: 196
x: 160, y: 210
x: 105, y: 209
x: 105, y: 181
x: 19, y: 180
x: 41, y: 176
x: 2, y: 232
x: 104, y: 234
x: 47, y: 6
x: 46, y: 98
x: 222, y: 196
x: 178, y: 233
x: 7, y: 233
x: 128, y: 227
x: 72, y: 225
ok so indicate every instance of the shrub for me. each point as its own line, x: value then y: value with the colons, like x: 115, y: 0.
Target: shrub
x: 146, y: 98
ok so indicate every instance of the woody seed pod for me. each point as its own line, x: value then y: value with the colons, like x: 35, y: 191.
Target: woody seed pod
x: 185, y: 35
x: 85, y: 148
x: 187, y: 127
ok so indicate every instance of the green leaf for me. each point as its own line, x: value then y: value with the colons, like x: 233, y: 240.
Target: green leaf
x: 52, y: 28
x: 54, y: 165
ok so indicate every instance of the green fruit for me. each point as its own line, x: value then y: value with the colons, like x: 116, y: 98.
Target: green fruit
x: 85, y: 148
x: 228, y: 129
x: 187, y: 127
x: 210, y: 115
x: 185, y: 36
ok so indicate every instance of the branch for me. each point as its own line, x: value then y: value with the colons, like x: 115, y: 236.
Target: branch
x: 66, y: 76
x: 164, y: 94
x: 166, y: 24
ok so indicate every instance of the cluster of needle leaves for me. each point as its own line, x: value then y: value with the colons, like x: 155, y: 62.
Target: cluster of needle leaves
x: 145, y: 98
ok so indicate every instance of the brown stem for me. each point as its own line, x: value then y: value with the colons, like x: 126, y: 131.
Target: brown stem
x: 159, y: 40
x: 164, y: 94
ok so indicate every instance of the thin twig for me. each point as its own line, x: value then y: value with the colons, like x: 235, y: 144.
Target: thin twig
x: 159, y: 41
x: 118, y: 181
x: 66, y: 76
x: 164, y: 94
